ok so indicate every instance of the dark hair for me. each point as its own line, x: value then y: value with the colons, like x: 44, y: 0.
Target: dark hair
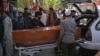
x: 28, y: 14
x: 63, y: 12
x: 38, y: 13
x: 20, y: 12
x: 88, y: 11
x: 73, y: 11
x: 40, y: 9
x: 51, y: 9
x: 25, y: 8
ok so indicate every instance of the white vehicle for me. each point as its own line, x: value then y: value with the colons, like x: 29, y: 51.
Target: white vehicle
x: 89, y: 41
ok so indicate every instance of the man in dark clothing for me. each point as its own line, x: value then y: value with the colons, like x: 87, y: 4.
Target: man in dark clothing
x: 1, y: 29
x: 57, y: 22
x: 20, y: 21
x: 52, y: 17
x: 37, y: 22
x: 25, y: 12
x: 12, y: 12
x: 29, y: 24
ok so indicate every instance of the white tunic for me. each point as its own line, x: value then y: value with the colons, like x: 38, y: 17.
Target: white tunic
x: 8, y: 36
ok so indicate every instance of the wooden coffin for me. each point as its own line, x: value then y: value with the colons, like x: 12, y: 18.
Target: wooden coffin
x: 38, y: 36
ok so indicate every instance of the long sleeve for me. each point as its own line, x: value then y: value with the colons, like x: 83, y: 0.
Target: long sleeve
x: 90, y: 45
x: 61, y: 31
x: 7, y: 27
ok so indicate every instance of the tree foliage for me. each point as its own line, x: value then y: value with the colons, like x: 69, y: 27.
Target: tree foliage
x: 24, y: 3
x: 52, y: 3
x: 43, y: 3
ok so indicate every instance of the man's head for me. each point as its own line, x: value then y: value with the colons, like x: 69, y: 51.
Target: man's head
x: 38, y: 14
x: 29, y: 15
x: 51, y: 9
x: 40, y: 9
x: 20, y: 14
x: 25, y: 9
x: 67, y: 12
x: 11, y: 8
x: 73, y: 13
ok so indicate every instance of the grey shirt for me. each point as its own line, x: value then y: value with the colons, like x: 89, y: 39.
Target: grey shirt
x: 68, y: 30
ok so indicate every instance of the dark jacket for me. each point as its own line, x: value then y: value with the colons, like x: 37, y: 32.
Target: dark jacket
x: 19, y: 23
x: 57, y: 22
x: 29, y: 23
x: 1, y: 30
x: 38, y: 23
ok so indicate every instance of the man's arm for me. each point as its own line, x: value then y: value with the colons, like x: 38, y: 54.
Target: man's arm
x: 61, y: 31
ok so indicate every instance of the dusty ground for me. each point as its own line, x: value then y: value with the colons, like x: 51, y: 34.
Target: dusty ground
x: 48, y: 52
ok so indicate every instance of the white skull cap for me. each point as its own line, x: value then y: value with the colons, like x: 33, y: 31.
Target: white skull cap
x: 67, y: 12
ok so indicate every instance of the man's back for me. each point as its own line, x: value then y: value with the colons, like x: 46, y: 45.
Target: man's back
x: 68, y: 30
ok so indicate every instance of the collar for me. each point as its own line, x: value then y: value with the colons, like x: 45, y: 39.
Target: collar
x: 68, y: 18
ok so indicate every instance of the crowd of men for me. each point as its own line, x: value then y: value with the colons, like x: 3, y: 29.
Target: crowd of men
x: 41, y: 18
x: 38, y: 18
x: 25, y: 20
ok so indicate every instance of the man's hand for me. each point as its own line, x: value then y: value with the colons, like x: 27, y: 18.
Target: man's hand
x: 81, y: 40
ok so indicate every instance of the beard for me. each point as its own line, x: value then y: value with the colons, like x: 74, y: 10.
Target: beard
x: 19, y: 16
x: 39, y: 18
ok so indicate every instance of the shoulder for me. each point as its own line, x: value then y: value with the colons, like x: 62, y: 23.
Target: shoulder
x: 7, y: 19
x: 65, y: 20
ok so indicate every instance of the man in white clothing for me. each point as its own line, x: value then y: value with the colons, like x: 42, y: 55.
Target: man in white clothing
x: 8, y: 43
x: 67, y: 34
x: 44, y: 16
